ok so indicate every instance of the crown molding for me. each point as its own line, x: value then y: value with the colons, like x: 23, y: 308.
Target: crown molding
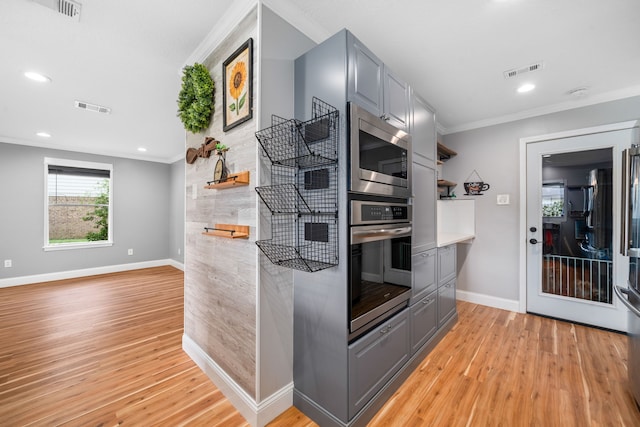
x: 549, y: 109
x: 225, y: 25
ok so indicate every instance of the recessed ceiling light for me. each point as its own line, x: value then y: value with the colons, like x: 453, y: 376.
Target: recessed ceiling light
x: 142, y: 149
x: 527, y: 87
x: 43, y: 135
x: 37, y: 77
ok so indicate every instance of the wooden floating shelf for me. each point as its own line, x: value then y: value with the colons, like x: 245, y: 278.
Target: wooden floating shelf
x: 233, y: 180
x: 229, y: 231
x: 444, y: 152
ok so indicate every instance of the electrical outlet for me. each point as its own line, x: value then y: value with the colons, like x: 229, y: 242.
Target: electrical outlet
x: 502, y: 199
x: 130, y: 252
x: 8, y: 263
x: 179, y: 251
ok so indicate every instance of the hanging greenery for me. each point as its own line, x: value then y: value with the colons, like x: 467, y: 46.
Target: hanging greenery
x: 195, y: 101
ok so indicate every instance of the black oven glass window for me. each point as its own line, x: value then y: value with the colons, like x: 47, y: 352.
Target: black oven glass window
x: 381, y: 156
x: 401, y: 253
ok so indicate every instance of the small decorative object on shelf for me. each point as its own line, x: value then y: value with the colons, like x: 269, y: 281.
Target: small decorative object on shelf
x: 474, y: 185
x: 230, y: 231
x: 303, y: 197
x: 220, y: 172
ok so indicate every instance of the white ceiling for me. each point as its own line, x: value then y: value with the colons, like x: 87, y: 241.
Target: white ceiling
x: 127, y: 55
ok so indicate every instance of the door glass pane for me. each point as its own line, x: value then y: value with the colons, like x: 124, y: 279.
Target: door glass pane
x: 577, y: 220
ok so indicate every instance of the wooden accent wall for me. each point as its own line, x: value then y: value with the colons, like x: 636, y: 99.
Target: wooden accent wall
x: 220, y: 274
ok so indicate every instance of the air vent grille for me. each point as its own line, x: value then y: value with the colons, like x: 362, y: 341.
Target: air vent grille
x: 522, y: 70
x: 92, y: 107
x: 69, y: 8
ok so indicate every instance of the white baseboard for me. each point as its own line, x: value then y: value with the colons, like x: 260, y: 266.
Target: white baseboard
x: 256, y: 414
x: 72, y: 274
x: 488, y: 300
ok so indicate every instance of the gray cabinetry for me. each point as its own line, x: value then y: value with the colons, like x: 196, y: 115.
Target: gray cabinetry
x: 424, y: 321
x: 339, y: 382
x: 375, y: 87
x: 424, y: 280
x: 395, y: 100
x: 423, y: 129
x: 424, y: 183
x: 446, y: 283
x: 446, y: 301
x: 424, y: 206
x: 374, y: 359
x: 446, y: 264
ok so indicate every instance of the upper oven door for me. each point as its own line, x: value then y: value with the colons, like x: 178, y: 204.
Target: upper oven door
x: 380, y: 155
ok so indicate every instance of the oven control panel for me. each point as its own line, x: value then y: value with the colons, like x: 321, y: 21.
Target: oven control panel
x: 363, y: 212
x: 384, y: 213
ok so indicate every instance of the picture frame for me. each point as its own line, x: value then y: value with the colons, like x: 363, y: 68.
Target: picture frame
x: 237, y: 84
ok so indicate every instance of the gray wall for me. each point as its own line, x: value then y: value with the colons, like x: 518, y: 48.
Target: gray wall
x: 489, y: 265
x: 281, y: 44
x: 140, y: 213
x: 176, y: 211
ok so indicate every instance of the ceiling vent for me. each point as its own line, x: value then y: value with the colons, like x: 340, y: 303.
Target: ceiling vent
x: 93, y: 107
x: 69, y: 8
x: 522, y: 70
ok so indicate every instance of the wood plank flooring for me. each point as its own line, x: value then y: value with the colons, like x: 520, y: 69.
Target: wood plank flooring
x: 106, y: 351
x: 103, y: 351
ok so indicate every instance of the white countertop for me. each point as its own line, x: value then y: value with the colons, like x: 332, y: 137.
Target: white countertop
x: 445, y: 239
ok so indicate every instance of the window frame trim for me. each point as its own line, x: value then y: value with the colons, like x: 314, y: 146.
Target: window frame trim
x: 75, y: 164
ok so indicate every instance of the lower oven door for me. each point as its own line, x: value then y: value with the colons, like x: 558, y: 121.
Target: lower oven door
x: 380, y: 273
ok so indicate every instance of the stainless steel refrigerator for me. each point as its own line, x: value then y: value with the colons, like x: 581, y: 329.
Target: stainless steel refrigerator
x: 630, y: 246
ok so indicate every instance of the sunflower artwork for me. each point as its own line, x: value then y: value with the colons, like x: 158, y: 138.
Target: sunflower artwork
x: 237, y: 79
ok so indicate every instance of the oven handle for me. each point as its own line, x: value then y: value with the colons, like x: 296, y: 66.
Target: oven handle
x: 362, y: 236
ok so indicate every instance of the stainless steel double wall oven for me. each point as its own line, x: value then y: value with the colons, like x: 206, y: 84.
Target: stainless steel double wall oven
x: 379, y: 220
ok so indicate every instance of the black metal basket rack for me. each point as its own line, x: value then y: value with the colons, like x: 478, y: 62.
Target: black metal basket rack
x: 303, y: 197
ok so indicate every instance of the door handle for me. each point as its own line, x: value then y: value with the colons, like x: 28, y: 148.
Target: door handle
x: 534, y: 241
x: 619, y: 292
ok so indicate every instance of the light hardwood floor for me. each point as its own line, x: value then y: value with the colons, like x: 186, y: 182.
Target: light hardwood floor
x: 106, y: 351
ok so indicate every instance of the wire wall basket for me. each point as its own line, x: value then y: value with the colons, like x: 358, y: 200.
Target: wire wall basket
x: 303, y: 199
x: 294, y: 143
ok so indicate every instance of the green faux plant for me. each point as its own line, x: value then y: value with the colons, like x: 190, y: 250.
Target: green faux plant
x: 195, y: 101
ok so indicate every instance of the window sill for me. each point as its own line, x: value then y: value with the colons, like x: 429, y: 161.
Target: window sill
x: 69, y: 246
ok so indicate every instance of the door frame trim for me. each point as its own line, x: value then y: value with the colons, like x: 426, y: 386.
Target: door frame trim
x: 522, y: 235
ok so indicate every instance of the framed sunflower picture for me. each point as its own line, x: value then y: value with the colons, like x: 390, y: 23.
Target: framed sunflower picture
x: 237, y: 79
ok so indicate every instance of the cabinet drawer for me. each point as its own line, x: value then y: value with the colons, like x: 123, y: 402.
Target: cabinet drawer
x: 424, y: 321
x: 374, y: 359
x: 446, y: 301
x: 446, y: 264
x: 423, y: 280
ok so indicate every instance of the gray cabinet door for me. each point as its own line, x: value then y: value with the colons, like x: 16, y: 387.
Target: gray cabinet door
x: 374, y: 359
x: 423, y: 129
x: 446, y: 301
x: 424, y: 206
x: 396, y: 100
x: 446, y: 264
x: 424, y: 321
x: 365, y: 77
x: 424, y: 277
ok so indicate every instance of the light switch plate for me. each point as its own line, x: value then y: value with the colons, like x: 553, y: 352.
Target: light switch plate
x: 502, y: 199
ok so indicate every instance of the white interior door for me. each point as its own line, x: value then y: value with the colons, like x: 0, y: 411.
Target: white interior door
x: 572, y: 257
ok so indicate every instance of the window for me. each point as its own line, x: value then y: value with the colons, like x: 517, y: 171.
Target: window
x: 553, y: 201
x: 78, y: 204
